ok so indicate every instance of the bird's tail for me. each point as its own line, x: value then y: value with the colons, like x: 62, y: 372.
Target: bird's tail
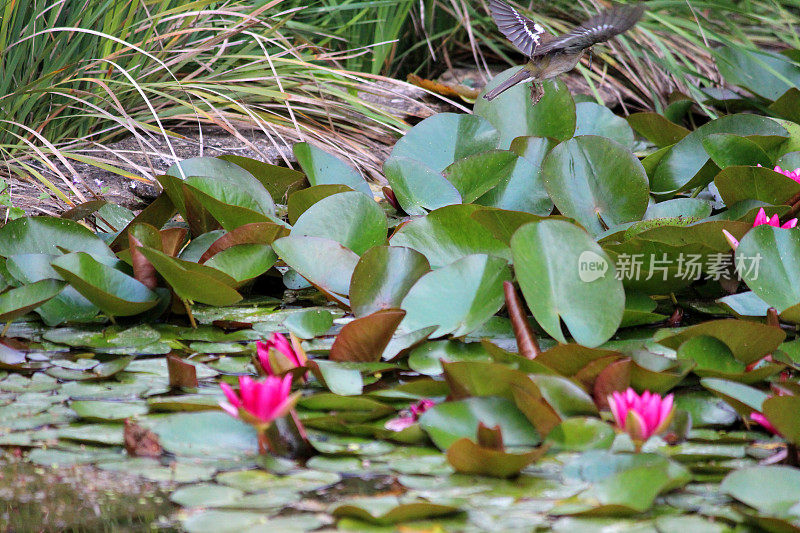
x: 520, y: 76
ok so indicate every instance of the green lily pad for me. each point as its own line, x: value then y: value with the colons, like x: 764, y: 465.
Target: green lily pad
x: 309, y: 323
x: 459, y: 297
x: 116, y: 293
x: 513, y: 115
x: 188, y: 435
x: 428, y: 357
x: 20, y: 301
x: 194, y: 282
x: 300, y: 201
x: 68, y: 305
x: 565, y: 275
x: 448, y: 234
x: 475, y: 175
x: 657, y: 129
x: 743, y: 398
x: 595, y: 119
x: 417, y: 187
x: 322, y: 168
x: 244, y: 262
x: 324, y: 262
x: 782, y: 411
x: 389, y: 510
x: 111, y: 411
x: 740, y: 183
x: 349, y: 218
x: 447, y: 422
x: 581, y: 433
x: 440, y: 140
x: 772, y: 490
x: 383, y: 277
x: 748, y: 341
x: 467, y: 457
x: 596, y: 181
x: 768, y: 259
x: 44, y: 235
x: 726, y: 149
x: 688, y: 165
x: 205, y: 495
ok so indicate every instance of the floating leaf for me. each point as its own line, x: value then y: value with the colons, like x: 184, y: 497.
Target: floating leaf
x: 338, y: 378
x: 514, y: 116
x: 768, y: 260
x: 449, y: 234
x: 726, y: 150
x: 459, y: 297
x: 116, y: 293
x: 418, y: 187
x: 440, y: 140
x: 657, y: 129
x: 388, y: 510
x: 595, y: 119
x: 17, y: 302
x: 300, y: 201
x: 687, y: 164
x: 324, y: 262
x: 581, y: 433
x: 51, y: 235
x: 349, y: 218
x: 68, y: 305
x: 771, y: 490
x: 474, y: 175
x: 747, y: 340
x: 256, y: 233
x: 740, y: 183
x: 322, y: 168
x: 596, y: 181
x: 782, y: 411
x: 364, y: 339
x: 447, y: 422
x: 743, y: 398
x: 383, y: 277
x: 244, y: 262
x: 191, y: 281
x: 309, y: 323
x: 565, y: 275
x: 467, y: 457
x: 279, y: 181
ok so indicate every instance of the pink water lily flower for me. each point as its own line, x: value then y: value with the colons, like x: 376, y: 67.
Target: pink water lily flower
x: 765, y: 423
x: 762, y: 219
x: 641, y: 416
x: 794, y: 174
x: 414, y: 412
x: 259, y: 402
x: 289, y: 356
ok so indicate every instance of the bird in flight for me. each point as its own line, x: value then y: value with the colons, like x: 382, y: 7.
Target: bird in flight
x: 549, y: 55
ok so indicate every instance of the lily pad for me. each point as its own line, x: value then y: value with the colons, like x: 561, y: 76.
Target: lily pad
x: 565, y: 275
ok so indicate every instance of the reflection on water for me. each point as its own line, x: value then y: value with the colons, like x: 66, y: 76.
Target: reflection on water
x: 79, y: 499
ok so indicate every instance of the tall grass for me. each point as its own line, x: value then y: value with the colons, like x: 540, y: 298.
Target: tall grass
x: 670, y: 50
x: 78, y: 73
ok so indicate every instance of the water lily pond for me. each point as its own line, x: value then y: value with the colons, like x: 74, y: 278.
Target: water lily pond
x: 582, y: 324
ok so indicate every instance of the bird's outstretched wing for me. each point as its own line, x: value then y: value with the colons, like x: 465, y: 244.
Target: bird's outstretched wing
x: 523, y: 33
x: 599, y: 28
